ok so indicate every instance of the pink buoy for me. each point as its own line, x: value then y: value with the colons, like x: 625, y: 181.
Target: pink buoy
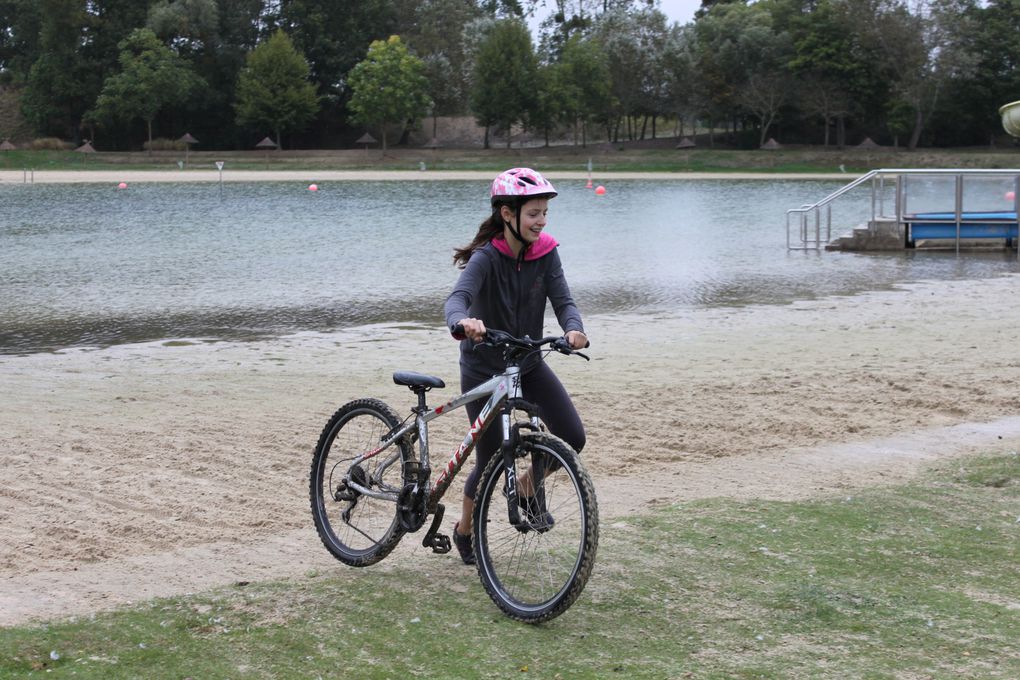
x: 122, y: 185
x: 313, y: 187
x: 600, y: 190
x: 1010, y: 195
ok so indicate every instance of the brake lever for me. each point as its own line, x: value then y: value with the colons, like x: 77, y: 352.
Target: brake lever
x: 563, y: 347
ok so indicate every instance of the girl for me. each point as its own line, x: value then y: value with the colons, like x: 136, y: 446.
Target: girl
x: 511, y: 268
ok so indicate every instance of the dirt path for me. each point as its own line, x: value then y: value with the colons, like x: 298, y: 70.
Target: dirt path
x: 152, y: 470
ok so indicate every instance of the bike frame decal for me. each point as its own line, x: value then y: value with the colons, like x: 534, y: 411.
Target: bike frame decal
x: 497, y: 389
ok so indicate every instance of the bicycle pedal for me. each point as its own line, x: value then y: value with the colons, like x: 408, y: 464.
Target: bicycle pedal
x: 440, y: 544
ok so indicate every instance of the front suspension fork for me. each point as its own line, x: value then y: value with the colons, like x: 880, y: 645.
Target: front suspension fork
x: 511, y: 442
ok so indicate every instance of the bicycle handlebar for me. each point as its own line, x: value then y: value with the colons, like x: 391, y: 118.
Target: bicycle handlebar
x: 498, y: 338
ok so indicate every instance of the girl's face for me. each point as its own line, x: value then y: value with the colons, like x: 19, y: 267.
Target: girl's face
x: 532, y: 219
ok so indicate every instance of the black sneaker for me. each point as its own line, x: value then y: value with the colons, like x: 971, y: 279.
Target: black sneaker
x: 540, y: 519
x: 463, y: 544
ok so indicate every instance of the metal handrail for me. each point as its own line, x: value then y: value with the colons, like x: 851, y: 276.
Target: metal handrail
x: 816, y: 207
x: 815, y: 243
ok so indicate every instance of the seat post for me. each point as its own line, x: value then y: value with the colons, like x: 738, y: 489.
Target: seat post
x: 420, y: 391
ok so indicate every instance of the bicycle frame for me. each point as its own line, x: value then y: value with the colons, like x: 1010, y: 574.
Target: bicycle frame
x: 504, y: 388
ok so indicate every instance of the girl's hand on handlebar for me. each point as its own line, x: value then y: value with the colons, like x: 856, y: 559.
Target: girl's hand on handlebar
x: 576, y: 339
x: 473, y: 329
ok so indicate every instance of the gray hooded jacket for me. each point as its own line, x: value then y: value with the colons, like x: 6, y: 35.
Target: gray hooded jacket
x: 491, y: 288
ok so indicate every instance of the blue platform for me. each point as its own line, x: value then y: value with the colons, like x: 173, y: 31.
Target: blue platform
x: 972, y: 225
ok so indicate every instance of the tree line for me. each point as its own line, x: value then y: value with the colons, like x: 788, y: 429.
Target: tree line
x: 318, y: 73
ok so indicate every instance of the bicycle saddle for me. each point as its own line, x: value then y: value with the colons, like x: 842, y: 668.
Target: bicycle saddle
x: 412, y: 380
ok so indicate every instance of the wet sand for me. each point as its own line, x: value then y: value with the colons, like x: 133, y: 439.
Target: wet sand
x: 150, y: 470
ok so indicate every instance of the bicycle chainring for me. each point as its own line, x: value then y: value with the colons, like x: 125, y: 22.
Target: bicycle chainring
x: 411, y: 511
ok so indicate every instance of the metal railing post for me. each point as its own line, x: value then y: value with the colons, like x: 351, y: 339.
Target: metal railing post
x: 959, y: 209
x: 1016, y: 210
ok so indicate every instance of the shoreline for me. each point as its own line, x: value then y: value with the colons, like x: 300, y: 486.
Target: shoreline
x: 148, y: 176
x: 140, y: 471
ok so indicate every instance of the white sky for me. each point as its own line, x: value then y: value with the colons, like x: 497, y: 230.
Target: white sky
x: 680, y: 11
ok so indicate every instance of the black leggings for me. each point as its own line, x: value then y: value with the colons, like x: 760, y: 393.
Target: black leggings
x: 541, y: 387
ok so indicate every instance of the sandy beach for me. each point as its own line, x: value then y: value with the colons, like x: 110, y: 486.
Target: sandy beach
x: 139, y: 471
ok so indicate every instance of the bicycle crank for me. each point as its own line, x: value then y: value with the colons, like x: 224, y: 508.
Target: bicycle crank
x: 440, y: 543
x: 411, y: 510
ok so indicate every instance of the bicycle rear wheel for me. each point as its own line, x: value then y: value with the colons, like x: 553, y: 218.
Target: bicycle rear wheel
x: 358, y: 529
x: 534, y: 574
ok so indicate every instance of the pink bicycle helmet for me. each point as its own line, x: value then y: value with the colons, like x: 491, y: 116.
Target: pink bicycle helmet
x: 520, y: 183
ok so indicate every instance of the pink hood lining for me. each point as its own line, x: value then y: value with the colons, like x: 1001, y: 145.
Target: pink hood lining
x: 543, y: 246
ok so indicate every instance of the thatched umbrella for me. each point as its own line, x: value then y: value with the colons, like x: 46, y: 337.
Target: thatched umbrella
x: 84, y: 150
x: 771, y: 144
x: 7, y: 146
x: 366, y: 139
x: 686, y: 143
x: 266, y: 144
x: 188, y: 141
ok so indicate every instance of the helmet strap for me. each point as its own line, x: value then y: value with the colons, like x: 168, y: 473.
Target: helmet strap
x: 515, y: 230
x: 517, y: 234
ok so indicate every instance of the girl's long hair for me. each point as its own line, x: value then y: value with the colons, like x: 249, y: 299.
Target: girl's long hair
x: 488, y: 230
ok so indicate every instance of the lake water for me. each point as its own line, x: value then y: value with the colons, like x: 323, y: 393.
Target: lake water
x: 86, y: 264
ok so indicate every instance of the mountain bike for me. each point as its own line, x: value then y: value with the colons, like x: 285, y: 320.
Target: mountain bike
x: 535, y: 522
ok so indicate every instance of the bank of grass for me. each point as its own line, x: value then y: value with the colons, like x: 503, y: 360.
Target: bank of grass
x: 917, y: 581
x: 615, y: 158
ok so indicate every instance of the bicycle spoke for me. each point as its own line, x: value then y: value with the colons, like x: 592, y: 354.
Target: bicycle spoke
x: 534, y: 574
x: 358, y: 529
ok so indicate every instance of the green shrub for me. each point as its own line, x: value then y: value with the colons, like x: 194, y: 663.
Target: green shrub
x: 164, y: 144
x: 49, y: 144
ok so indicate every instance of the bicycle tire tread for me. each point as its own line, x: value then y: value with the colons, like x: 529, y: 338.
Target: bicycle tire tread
x: 590, y: 546
x: 384, y: 547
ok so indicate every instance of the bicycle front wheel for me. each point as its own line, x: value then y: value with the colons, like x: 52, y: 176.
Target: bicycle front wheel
x: 535, y: 572
x: 357, y: 528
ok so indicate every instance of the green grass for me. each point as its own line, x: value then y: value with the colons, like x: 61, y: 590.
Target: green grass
x: 620, y: 158
x: 917, y: 581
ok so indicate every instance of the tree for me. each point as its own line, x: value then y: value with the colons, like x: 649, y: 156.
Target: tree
x: 20, y: 24
x: 969, y: 110
x: 389, y: 86
x: 825, y: 61
x: 635, y: 43
x: 744, y: 60
x: 505, y: 78
x: 550, y: 102
x: 273, y: 88
x: 917, y: 48
x: 56, y: 94
x: 188, y: 26
x: 679, y: 62
x: 333, y: 35
x: 584, y: 77
x: 151, y: 77
x: 578, y: 17
x: 433, y: 30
